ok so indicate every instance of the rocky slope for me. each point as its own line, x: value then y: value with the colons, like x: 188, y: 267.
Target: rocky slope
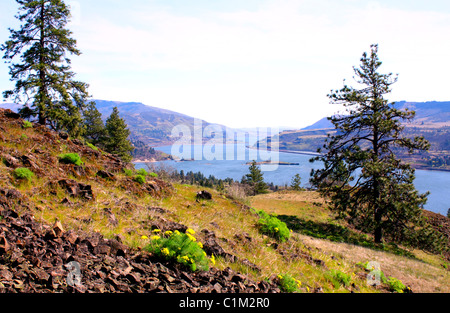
x: 40, y: 257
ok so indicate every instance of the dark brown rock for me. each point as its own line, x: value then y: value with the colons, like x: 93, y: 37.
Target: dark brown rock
x: 203, y: 195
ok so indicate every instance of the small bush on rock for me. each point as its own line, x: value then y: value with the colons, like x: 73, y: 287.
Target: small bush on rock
x: 23, y: 173
x: 70, y: 158
x: 180, y: 247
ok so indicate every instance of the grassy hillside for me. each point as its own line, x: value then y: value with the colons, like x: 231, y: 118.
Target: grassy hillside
x: 102, y: 196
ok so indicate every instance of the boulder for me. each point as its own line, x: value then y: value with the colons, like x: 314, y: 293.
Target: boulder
x: 203, y: 195
x: 76, y: 189
x: 105, y: 174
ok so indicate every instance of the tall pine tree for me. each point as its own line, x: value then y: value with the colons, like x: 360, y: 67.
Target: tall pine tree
x: 362, y: 176
x: 44, y: 82
x: 116, y: 140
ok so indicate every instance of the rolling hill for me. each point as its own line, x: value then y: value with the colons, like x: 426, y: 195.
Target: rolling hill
x: 432, y: 121
x: 103, y: 219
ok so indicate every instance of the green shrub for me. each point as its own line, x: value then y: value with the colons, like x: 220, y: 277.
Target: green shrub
x: 23, y: 173
x: 140, y: 179
x: 180, y: 247
x: 288, y: 283
x: 27, y: 124
x: 154, y: 175
x: 70, y: 158
x: 142, y: 172
x: 270, y: 225
x: 338, y: 278
x: 90, y: 145
x: 128, y: 172
x: 395, y: 285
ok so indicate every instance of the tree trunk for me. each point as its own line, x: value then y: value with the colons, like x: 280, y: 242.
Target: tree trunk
x: 42, y: 90
x: 378, y: 234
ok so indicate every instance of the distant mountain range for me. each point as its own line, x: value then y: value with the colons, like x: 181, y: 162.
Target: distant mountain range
x: 428, y: 114
x: 432, y: 121
x: 153, y: 126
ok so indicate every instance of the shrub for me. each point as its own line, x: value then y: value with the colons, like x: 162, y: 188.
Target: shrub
x: 90, y: 145
x: 70, y: 158
x: 142, y: 172
x: 180, y: 247
x: 338, y: 278
x: 23, y: 173
x: 27, y: 124
x: 154, y: 175
x: 395, y: 285
x: 288, y: 283
x: 128, y: 172
x: 140, y: 179
x: 270, y: 225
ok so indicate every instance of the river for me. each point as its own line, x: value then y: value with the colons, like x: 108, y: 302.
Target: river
x: 230, y: 161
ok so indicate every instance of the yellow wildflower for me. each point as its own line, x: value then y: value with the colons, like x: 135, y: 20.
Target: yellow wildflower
x: 144, y: 237
x: 307, y: 289
x: 191, y: 237
x: 156, y: 237
x: 165, y: 251
x: 168, y: 232
x: 276, y: 229
x: 200, y: 244
x: 280, y: 277
x: 190, y: 231
x: 156, y: 230
x: 213, y: 259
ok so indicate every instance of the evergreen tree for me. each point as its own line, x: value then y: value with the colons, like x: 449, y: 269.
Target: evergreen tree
x: 116, y: 140
x: 361, y: 175
x: 296, y: 181
x: 255, y: 179
x: 94, y: 128
x: 44, y: 82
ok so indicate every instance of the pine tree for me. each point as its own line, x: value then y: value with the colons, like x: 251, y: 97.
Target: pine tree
x: 362, y: 176
x: 44, y: 82
x: 94, y: 128
x: 255, y: 179
x: 295, y: 183
x: 116, y: 140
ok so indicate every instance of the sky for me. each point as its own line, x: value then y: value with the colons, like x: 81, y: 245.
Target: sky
x: 251, y: 63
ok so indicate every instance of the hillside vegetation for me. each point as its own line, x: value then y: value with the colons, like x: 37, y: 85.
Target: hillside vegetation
x: 103, y: 214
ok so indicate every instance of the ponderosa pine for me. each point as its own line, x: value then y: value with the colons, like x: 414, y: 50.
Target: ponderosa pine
x: 362, y: 177
x: 44, y: 82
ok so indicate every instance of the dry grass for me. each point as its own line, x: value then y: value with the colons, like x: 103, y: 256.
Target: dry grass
x: 423, y: 274
x: 305, y: 258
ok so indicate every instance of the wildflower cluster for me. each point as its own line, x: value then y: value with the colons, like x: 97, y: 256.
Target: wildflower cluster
x: 288, y: 283
x: 181, y: 247
x: 272, y: 226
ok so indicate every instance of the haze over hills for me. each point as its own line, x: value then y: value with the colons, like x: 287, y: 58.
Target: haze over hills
x: 428, y: 114
x: 153, y: 126
x: 432, y: 121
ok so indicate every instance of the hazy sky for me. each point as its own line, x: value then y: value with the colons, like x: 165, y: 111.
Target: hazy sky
x: 246, y: 63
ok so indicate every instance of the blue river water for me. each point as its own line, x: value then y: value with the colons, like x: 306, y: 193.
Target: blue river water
x: 230, y: 161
